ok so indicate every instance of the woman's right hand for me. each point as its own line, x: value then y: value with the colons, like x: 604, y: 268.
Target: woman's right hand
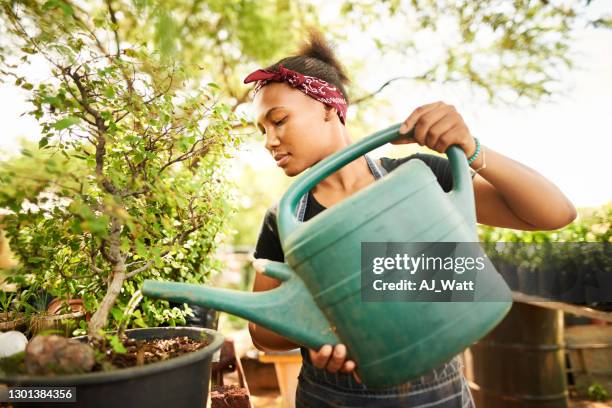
x: 333, y: 359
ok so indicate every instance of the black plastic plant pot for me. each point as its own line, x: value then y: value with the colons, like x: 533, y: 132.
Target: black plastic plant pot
x: 175, y: 383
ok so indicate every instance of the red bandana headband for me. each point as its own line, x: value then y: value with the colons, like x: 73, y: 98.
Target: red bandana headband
x: 314, y: 87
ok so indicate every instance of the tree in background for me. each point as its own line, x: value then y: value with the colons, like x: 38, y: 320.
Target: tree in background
x: 508, y: 49
x: 511, y: 50
x: 127, y: 182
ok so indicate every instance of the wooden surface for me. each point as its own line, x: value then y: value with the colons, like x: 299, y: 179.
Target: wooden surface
x: 565, y: 307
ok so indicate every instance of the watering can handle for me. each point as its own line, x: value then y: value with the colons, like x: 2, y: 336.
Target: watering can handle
x: 287, y: 220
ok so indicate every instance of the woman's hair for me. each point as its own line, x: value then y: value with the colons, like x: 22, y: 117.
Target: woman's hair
x: 316, y: 58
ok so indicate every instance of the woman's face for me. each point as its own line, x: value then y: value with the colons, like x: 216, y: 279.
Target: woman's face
x: 297, y: 133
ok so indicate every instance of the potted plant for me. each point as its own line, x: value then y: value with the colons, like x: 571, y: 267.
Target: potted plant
x: 569, y: 265
x: 125, y: 184
x: 12, y: 317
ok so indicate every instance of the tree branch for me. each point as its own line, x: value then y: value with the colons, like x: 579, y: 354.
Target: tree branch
x: 100, y: 144
x: 136, y: 271
x: 191, y: 153
x: 379, y: 90
x: 113, y: 18
x: 178, y: 239
x: 135, y: 193
x: 92, y: 257
x: 164, y: 92
x: 104, y: 251
x: 101, y: 48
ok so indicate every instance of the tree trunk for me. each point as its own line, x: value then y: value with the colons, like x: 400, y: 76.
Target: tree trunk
x: 100, y: 317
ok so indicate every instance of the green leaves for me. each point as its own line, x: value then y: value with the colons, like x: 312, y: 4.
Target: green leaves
x: 54, y: 4
x: 592, y: 225
x: 66, y: 122
x: 109, y: 92
x: 87, y: 220
x: 166, y: 32
x: 597, y: 392
x: 578, y: 253
x: 116, y: 344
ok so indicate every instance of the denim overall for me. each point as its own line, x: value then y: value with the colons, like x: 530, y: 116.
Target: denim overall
x: 443, y: 387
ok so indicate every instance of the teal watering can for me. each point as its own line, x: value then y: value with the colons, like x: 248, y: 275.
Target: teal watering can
x: 319, y: 300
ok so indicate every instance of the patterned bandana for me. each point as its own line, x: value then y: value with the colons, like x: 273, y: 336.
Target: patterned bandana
x: 314, y: 87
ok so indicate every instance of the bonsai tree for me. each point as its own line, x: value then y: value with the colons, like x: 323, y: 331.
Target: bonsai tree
x: 126, y: 181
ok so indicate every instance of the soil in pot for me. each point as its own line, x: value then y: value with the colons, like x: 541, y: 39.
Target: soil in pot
x: 56, y: 355
x: 139, y: 352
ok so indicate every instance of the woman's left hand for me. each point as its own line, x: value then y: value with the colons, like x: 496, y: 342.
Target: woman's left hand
x: 438, y: 126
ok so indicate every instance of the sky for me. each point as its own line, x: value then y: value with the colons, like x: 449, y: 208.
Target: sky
x: 569, y: 140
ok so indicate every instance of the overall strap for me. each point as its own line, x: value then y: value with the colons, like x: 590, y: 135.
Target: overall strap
x: 301, y: 208
x: 377, y: 171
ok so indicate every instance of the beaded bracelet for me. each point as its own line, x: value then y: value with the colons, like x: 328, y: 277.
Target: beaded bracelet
x: 476, y: 153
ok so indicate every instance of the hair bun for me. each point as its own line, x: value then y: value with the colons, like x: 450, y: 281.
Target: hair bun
x: 318, y: 48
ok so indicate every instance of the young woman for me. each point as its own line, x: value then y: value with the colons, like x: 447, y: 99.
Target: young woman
x: 301, y: 106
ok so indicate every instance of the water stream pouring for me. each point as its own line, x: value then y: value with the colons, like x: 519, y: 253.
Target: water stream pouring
x: 319, y: 300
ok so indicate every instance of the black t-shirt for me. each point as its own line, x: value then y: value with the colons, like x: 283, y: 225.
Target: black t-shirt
x: 268, y: 243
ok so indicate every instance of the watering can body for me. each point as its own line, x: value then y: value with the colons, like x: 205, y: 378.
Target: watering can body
x: 320, y: 298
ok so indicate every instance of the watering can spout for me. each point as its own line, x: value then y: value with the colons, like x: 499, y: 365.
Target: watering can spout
x: 279, y: 309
